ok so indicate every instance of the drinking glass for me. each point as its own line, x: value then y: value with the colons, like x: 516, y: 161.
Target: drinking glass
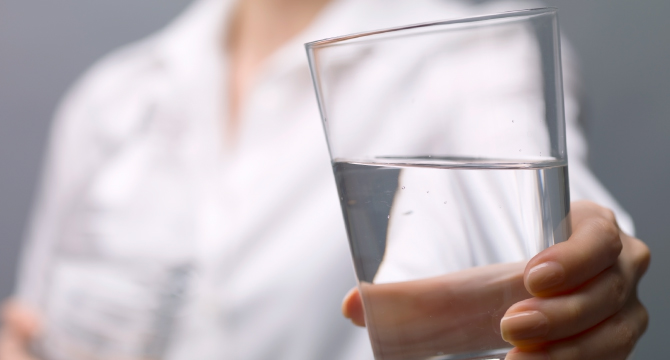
x: 447, y: 141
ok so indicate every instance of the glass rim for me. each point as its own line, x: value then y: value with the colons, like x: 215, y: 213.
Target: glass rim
x: 337, y: 40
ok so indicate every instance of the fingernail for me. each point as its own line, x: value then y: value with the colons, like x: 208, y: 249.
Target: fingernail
x: 527, y: 356
x: 545, y: 276
x: 523, y: 326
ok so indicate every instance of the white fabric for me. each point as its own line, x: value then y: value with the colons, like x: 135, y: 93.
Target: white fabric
x: 139, y: 152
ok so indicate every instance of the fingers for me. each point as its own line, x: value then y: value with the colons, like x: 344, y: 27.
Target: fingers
x: 585, y: 305
x: 592, y: 302
x: 612, y: 339
x: 453, y: 313
x: 540, y: 320
x: 593, y: 247
x: 635, y: 256
x: 352, y: 307
x: 503, y: 279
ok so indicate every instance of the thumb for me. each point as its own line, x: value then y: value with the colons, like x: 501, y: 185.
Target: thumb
x: 352, y: 307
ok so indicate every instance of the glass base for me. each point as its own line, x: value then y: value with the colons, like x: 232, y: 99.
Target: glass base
x: 499, y: 354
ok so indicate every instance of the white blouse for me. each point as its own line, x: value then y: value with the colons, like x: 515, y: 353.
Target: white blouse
x: 140, y: 168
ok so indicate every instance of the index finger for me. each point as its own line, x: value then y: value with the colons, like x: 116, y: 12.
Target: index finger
x: 594, y: 246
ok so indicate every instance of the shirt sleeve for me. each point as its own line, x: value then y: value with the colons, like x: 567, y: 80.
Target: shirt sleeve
x: 82, y: 135
x: 71, y: 153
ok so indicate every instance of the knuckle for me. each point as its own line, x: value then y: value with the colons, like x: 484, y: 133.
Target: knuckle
x: 605, y: 226
x: 644, y: 317
x: 574, y: 311
x: 642, y: 254
x: 629, y: 326
x: 609, y: 215
x: 609, y: 233
x: 625, y: 336
x: 618, y: 290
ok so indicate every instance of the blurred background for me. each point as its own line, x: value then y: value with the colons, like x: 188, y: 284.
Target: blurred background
x: 623, y: 45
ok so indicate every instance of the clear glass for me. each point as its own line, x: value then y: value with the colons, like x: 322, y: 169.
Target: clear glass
x: 448, y: 146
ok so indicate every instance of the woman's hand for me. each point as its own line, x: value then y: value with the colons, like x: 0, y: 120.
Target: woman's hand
x: 584, y: 303
x: 20, y: 325
x: 453, y: 313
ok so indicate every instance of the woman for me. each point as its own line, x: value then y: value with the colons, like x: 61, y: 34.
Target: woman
x: 220, y: 104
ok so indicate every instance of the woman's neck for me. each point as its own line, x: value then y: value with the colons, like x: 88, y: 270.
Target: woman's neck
x: 258, y: 29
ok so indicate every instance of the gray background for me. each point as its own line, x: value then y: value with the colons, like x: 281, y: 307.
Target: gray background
x: 625, y: 53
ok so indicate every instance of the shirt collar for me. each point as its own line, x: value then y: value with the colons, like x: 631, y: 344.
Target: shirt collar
x: 192, y: 42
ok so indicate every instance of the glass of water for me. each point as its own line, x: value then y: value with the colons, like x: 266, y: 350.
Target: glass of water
x: 448, y: 146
